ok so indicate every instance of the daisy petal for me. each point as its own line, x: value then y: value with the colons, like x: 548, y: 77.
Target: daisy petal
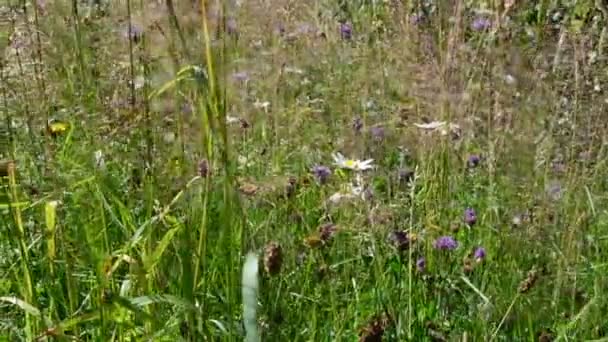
x: 431, y: 125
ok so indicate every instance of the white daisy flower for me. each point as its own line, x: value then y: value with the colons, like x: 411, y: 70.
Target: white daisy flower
x: 352, y: 164
x: 350, y: 191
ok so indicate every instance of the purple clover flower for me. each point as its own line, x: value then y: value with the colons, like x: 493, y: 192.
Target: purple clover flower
x: 346, y: 31
x: 470, y: 217
x: 480, y: 24
x: 321, y: 173
x: 445, y: 243
x: 479, y: 254
x: 421, y: 264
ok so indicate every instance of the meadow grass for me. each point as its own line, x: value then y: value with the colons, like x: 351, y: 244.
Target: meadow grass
x: 148, y: 147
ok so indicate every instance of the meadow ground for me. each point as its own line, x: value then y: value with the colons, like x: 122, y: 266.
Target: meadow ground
x: 148, y: 146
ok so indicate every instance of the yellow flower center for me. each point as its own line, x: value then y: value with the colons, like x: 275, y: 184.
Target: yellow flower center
x: 350, y: 163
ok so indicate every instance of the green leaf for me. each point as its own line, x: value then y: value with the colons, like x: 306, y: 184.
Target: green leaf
x: 152, y: 260
x: 167, y: 299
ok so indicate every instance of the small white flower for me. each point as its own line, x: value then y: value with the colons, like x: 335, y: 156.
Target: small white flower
x: 261, y: 105
x: 232, y: 119
x: 338, y: 197
x: 100, y: 161
x: 352, y: 164
x: 431, y: 125
x: 510, y: 79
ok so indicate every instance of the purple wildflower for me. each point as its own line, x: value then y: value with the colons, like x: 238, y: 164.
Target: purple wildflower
x: 357, y: 125
x: 321, y: 173
x: 203, y: 168
x: 346, y: 31
x: 446, y: 243
x: 377, y: 132
x: 470, y: 217
x: 480, y: 24
x: 473, y: 160
x: 479, y: 254
x: 421, y: 264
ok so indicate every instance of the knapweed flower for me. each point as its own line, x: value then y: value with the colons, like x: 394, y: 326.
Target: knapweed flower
x: 445, y: 243
x: 352, y: 164
x: 479, y: 254
x: 421, y: 264
x: 321, y: 173
x: 346, y: 31
x: 473, y: 161
x: 470, y: 217
x: 480, y: 24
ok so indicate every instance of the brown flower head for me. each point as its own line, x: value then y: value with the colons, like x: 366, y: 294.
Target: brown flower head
x: 273, y: 258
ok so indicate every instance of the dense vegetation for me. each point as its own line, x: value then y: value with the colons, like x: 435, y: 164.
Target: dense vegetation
x: 405, y: 170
